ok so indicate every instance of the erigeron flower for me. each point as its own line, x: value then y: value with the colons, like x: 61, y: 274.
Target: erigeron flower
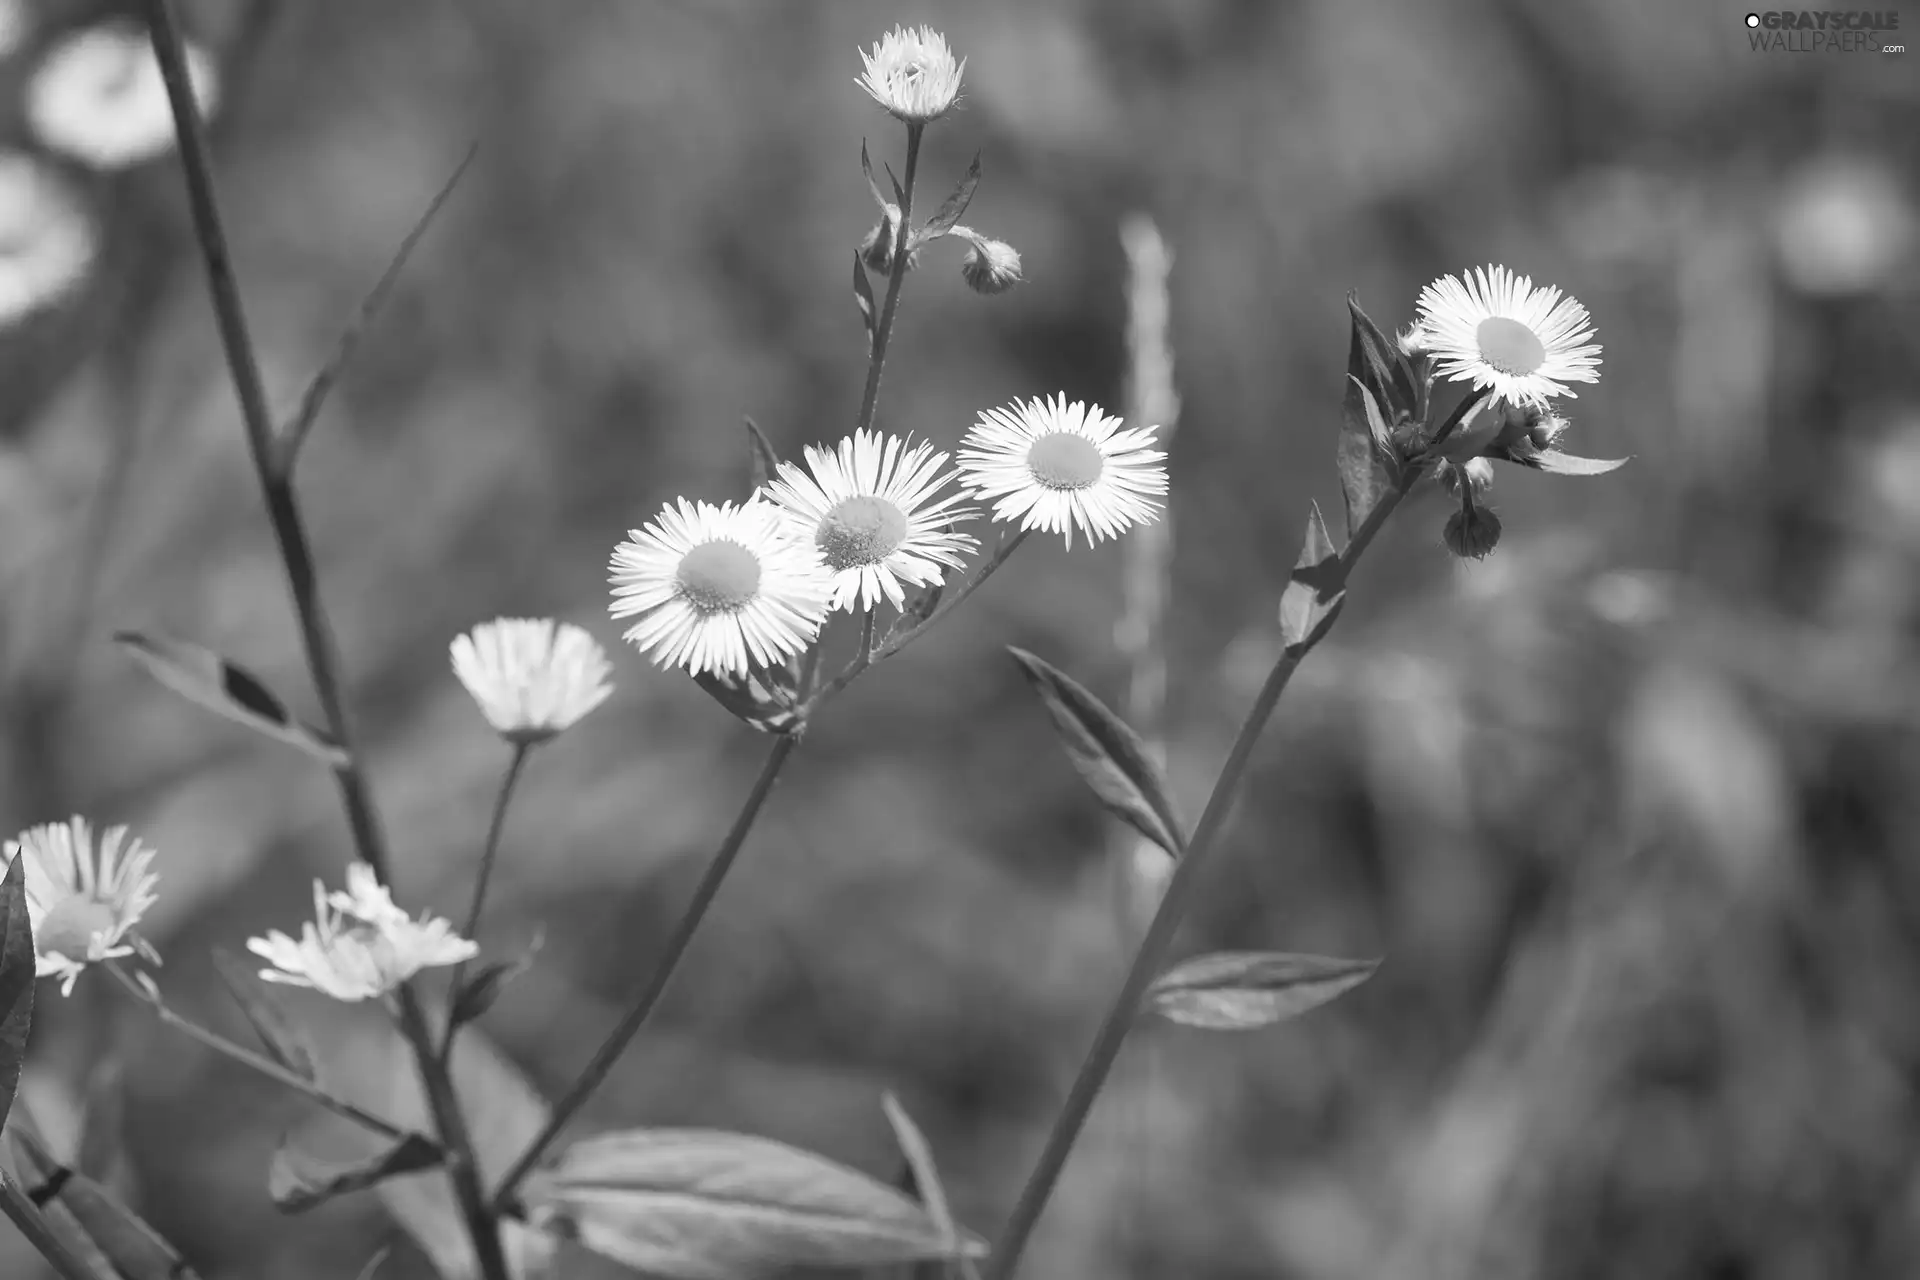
x: 359, y: 945
x: 912, y: 73
x: 83, y: 898
x: 46, y: 237
x: 869, y: 507
x: 533, y: 677
x: 98, y: 96
x: 720, y: 589
x: 991, y: 266
x: 1496, y: 330
x: 1058, y: 465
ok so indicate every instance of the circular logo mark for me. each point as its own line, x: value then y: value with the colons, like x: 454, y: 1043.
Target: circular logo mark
x: 1753, y: 19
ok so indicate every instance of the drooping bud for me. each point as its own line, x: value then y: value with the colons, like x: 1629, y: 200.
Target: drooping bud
x: 1472, y: 531
x: 991, y: 266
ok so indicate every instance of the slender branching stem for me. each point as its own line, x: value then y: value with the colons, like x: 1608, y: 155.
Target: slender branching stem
x: 648, y: 999
x: 883, y: 327
x: 316, y: 634
x: 19, y: 1206
x: 482, y: 879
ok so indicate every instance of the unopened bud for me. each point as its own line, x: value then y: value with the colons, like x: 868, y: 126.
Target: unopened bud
x: 991, y: 266
x: 876, y: 250
x: 1413, y: 341
x: 1543, y: 433
x: 1472, y: 532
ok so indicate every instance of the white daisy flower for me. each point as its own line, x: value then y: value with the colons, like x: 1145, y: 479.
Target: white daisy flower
x: 1062, y: 465
x: 1496, y: 330
x: 720, y: 589
x: 533, y: 677
x: 46, y: 238
x: 870, y: 509
x: 82, y: 898
x: 98, y: 96
x: 912, y: 73
x: 359, y: 945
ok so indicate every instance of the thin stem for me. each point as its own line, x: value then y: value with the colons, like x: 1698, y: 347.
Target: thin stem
x: 16, y: 1204
x: 482, y: 879
x: 883, y: 328
x: 316, y: 635
x: 644, y: 1004
x: 254, y: 1061
x: 1148, y: 960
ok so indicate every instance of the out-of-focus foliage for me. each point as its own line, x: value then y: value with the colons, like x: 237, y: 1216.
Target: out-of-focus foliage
x: 1628, y: 807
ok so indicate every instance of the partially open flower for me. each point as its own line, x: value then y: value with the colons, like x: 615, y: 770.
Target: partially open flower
x: 359, y: 945
x: 83, y: 899
x: 1496, y: 330
x: 532, y: 677
x: 991, y: 266
x: 1059, y: 466
x: 912, y: 73
x: 98, y: 96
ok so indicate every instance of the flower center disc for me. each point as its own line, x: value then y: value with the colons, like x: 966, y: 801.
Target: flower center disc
x: 862, y: 530
x: 1065, y: 461
x: 719, y: 576
x: 1509, y: 346
x: 68, y: 929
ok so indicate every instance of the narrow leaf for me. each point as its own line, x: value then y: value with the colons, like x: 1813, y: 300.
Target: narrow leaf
x: 1376, y: 421
x: 1108, y: 754
x: 694, y: 1204
x: 866, y: 168
x: 762, y: 698
x: 1381, y: 357
x: 284, y: 1042
x: 1556, y: 463
x: 954, y: 206
x: 899, y: 192
x: 16, y: 980
x: 1364, y: 476
x: 135, y: 1250
x: 298, y: 1181
x: 1315, y: 592
x: 374, y: 1263
x: 202, y: 676
x: 1241, y: 990
x: 925, y: 1177
x: 766, y: 463
x: 478, y: 992
x: 863, y: 294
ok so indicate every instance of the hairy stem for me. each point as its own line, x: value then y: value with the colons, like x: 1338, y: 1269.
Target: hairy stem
x: 644, y: 1004
x: 883, y: 327
x: 482, y: 879
x: 19, y: 1206
x: 316, y: 634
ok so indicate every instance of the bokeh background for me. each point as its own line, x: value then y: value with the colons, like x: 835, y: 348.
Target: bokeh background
x: 1629, y: 807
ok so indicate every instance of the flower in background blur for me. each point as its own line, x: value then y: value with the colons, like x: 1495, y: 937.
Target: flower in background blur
x: 359, y: 945
x: 98, y: 96
x: 46, y: 237
x: 1061, y: 465
x: 912, y: 73
x: 13, y: 25
x: 82, y: 897
x: 1845, y: 226
x: 533, y: 677
x: 720, y: 589
x: 1494, y: 329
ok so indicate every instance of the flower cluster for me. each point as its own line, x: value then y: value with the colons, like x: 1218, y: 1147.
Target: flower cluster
x: 359, y: 945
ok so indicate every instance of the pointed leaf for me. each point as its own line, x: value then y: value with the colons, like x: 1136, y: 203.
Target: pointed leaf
x: 1556, y: 463
x: 17, y: 965
x: 863, y: 294
x: 899, y: 192
x: 1376, y: 421
x: 1107, y: 753
x: 479, y: 990
x: 298, y: 1181
x: 200, y: 675
x: 1315, y: 592
x: 1241, y: 990
x: 866, y: 168
x: 766, y: 463
x: 1392, y: 370
x: 926, y: 1184
x: 954, y: 206
x: 283, y: 1040
x: 1364, y: 474
x: 135, y: 1250
x: 697, y: 1204
x: 762, y: 698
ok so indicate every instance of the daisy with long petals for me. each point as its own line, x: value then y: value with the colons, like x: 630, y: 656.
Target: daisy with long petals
x: 83, y: 899
x: 359, y: 945
x: 1494, y: 329
x: 1057, y: 466
x: 912, y: 73
x: 869, y: 507
x: 533, y: 677
x: 721, y: 589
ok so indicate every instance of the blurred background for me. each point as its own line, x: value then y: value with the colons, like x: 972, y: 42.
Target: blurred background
x: 1629, y: 807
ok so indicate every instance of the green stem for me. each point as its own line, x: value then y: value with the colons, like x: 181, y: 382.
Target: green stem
x: 482, y: 879
x: 1151, y: 956
x: 16, y: 1204
x: 883, y: 327
x: 644, y: 1004
x: 316, y: 634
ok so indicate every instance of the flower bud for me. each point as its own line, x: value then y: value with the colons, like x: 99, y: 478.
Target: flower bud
x: 991, y: 266
x: 1472, y: 532
x: 1543, y: 433
x: 1413, y: 341
x: 876, y: 250
x: 1476, y: 473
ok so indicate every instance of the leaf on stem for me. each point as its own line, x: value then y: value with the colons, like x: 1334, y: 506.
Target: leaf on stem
x: 73, y: 1202
x: 298, y: 1181
x: 1316, y: 590
x: 16, y: 980
x: 899, y: 192
x: 1556, y: 463
x: 954, y: 206
x: 1366, y: 471
x: 1242, y: 990
x: 924, y: 1177
x: 763, y: 698
x: 1108, y: 754
x: 697, y: 1204
x: 202, y: 676
x: 863, y: 294
x: 482, y: 987
x: 766, y: 463
x: 866, y: 168
x: 283, y: 1040
x: 919, y: 608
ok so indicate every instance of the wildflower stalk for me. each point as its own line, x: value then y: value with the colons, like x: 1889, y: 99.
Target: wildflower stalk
x: 274, y: 472
x: 883, y: 327
x: 482, y: 878
x: 17, y: 1205
x: 1150, y: 957
x: 644, y: 1004
x: 254, y: 1061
